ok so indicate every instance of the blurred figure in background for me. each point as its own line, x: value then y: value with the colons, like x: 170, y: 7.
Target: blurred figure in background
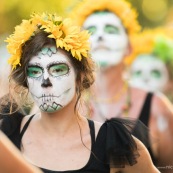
x: 4, y: 70
x: 152, y: 69
x: 112, y: 25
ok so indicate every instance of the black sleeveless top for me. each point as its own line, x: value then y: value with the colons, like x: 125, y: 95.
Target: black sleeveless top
x: 144, y: 117
x: 113, y: 146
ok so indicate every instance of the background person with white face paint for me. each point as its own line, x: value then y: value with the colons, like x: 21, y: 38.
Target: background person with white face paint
x: 50, y: 58
x: 111, y: 96
x: 152, y: 68
x: 149, y: 72
x: 107, y: 31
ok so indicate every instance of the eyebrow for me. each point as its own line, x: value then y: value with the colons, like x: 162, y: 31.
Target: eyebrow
x: 57, y: 62
x: 34, y: 64
x: 110, y: 24
x: 48, y: 65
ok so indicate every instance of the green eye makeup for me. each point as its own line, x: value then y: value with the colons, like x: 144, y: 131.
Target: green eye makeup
x: 58, y: 70
x: 110, y: 29
x: 34, y: 72
x: 156, y: 74
x: 137, y: 74
x: 92, y: 29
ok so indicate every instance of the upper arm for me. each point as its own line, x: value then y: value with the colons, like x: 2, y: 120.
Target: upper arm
x: 144, y: 163
x: 162, y: 111
x: 11, y: 156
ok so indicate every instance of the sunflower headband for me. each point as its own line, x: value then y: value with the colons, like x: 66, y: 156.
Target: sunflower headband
x: 121, y: 8
x: 153, y: 41
x: 66, y: 35
x: 157, y: 42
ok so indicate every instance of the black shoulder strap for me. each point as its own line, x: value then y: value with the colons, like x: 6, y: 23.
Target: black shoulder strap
x: 145, y: 111
x: 25, y: 126
x: 92, y: 130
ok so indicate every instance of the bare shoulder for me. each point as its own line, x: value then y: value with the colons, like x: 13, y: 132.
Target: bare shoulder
x: 161, y: 107
x: 163, y: 102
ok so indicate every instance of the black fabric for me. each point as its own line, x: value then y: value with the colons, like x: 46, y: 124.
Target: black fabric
x: 144, y: 117
x: 146, y: 109
x: 10, y: 125
x: 26, y: 126
x: 113, y: 146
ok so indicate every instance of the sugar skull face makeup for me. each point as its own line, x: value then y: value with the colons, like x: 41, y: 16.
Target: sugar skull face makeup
x: 51, y: 79
x: 109, y: 40
x: 149, y: 72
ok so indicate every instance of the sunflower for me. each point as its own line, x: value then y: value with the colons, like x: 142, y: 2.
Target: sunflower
x: 66, y: 35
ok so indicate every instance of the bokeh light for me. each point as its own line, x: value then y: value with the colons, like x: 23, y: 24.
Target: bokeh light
x: 155, y: 10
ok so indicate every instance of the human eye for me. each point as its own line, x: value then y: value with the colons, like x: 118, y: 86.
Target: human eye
x: 34, y: 72
x: 137, y: 74
x: 91, y: 29
x: 156, y: 74
x: 57, y: 70
x: 110, y: 29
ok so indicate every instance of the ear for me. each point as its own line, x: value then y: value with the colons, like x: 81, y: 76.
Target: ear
x: 129, y: 49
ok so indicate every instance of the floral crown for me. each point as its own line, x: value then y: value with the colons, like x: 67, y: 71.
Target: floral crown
x: 157, y: 42
x: 121, y: 8
x: 66, y: 35
x: 153, y: 41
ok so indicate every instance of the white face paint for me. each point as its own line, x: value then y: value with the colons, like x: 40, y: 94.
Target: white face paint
x: 109, y: 41
x: 51, y: 79
x: 149, y: 72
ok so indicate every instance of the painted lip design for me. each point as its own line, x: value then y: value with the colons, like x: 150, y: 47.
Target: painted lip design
x: 50, y: 108
x: 50, y: 97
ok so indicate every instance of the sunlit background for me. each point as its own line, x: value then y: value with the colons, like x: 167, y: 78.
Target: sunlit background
x: 152, y: 13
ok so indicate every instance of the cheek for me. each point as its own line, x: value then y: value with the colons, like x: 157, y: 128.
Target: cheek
x: 33, y: 83
x: 121, y: 41
x: 68, y: 81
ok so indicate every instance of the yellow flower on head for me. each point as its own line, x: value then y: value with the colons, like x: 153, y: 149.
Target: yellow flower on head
x: 66, y: 35
x: 22, y: 33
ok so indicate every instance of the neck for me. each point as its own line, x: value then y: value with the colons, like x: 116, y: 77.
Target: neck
x: 110, y: 81
x: 61, y: 121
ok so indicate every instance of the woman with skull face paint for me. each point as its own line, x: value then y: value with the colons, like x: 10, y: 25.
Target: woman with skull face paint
x: 112, y: 25
x: 50, y: 58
